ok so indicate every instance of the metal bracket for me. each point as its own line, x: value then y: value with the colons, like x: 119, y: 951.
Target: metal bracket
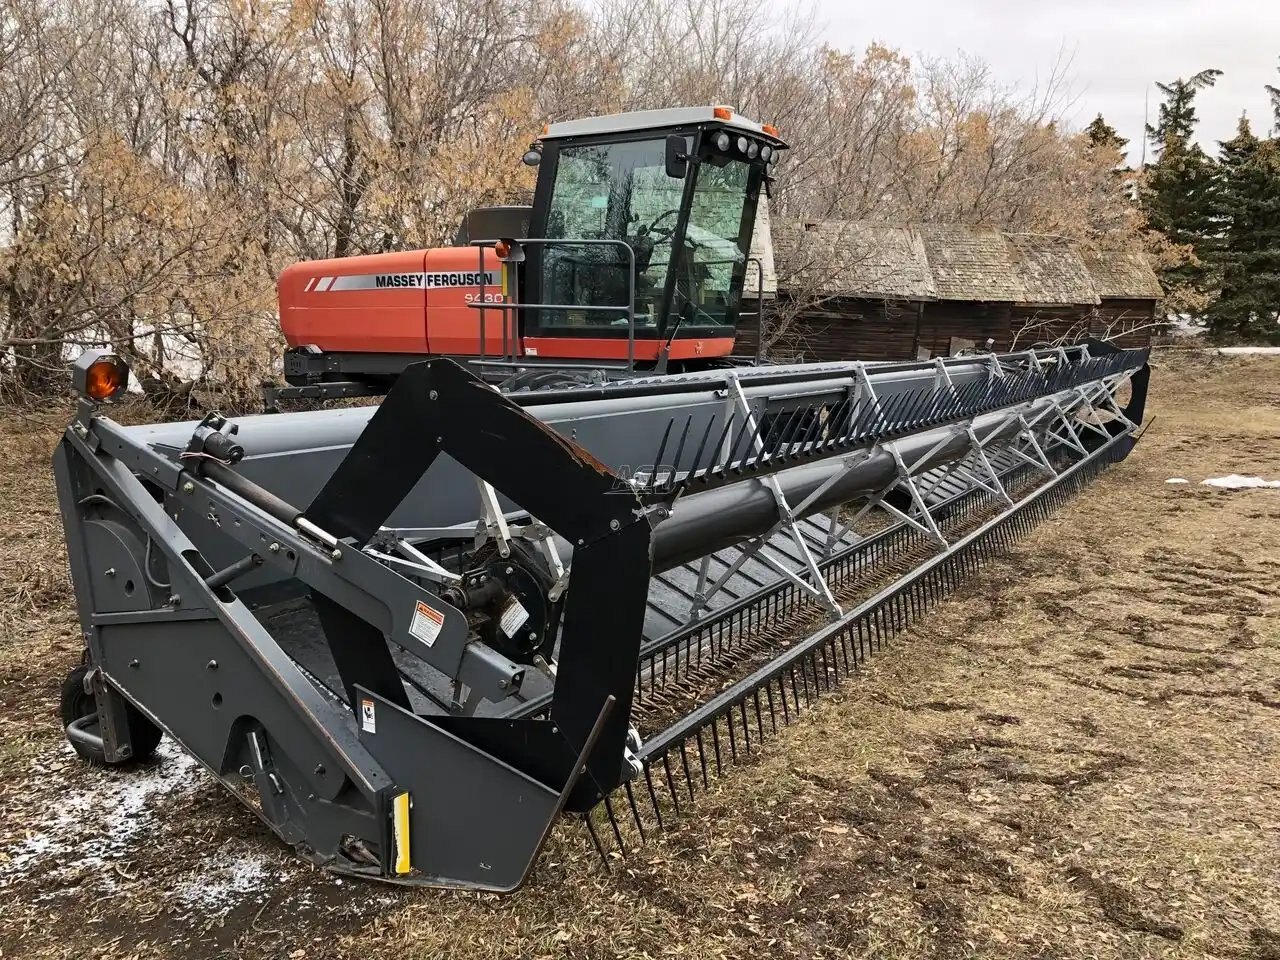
x: 493, y: 523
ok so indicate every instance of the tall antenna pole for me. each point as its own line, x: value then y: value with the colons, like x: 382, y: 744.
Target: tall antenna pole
x: 1146, y: 100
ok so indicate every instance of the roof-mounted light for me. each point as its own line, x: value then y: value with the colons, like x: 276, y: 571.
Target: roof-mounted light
x: 770, y: 129
x: 722, y: 113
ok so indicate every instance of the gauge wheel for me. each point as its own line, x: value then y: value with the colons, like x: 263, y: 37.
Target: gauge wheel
x: 77, y: 703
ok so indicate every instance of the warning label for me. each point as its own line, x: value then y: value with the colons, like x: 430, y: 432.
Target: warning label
x: 368, y: 716
x: 426, y: 624
x: 514, y: 616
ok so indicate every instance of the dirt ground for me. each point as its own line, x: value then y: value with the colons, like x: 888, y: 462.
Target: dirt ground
x: 1076, y: 757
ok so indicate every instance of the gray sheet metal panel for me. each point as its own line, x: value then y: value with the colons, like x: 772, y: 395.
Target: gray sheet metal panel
x: 293, y: 454
x: 311, y: 431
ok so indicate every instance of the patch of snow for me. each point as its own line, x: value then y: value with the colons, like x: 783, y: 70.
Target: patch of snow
x: 227, y: 879
x: 88, y: 828
x: 1177, y: 480
x: 1249, y: 351
x: 1236, y: 481
x: 94, y: 824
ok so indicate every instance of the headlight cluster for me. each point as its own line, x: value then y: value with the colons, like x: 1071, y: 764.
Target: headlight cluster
x: 746, y: 146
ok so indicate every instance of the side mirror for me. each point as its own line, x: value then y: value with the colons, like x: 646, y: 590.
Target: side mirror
x: 677, y: 159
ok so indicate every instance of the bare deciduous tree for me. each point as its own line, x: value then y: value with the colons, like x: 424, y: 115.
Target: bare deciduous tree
x: 162, y: 160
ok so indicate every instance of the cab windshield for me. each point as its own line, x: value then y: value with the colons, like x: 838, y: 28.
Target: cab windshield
x: 621, y: 192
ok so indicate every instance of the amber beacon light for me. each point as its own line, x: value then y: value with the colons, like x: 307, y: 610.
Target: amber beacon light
x: 100, y: 375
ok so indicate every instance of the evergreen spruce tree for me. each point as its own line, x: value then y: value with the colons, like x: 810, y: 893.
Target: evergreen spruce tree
x: 1247, y: 207
x: 1102, y: 134
x: 1178, y: 194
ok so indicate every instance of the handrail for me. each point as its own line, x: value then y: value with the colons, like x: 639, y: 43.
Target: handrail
x: 508, y: 309
x: 759, y: 307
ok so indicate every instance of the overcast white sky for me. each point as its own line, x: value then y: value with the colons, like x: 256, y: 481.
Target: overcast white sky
x: 1117, y: 49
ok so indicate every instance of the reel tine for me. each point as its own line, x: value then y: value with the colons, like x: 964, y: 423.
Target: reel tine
x: 675, y: 461
x: 657, y: 460
x: 697, y: 457
x: 713, y: 467
x: 595, y: 840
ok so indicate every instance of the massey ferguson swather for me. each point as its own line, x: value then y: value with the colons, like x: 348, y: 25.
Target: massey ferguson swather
x: 578, y: 560
x: 410, y: 637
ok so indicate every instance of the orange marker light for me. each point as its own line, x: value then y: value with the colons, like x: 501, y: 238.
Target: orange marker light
x: 105, y: 378
x: 722, y: 113
x: 770, y: 129
x: 502, y: 249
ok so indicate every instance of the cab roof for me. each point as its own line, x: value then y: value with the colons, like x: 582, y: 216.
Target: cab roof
x: 639, y: 120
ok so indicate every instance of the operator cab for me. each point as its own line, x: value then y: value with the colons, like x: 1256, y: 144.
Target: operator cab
x: 650, y: 211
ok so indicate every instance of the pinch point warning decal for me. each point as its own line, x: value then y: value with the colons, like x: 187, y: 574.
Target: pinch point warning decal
x: 427, y: 623
x: 368, y: 716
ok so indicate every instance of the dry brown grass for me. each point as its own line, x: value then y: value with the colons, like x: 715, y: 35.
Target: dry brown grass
x: 1077, y: 756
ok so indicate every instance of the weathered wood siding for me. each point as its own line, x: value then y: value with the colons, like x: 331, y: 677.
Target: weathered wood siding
x: 843, y: 329
x: 971, y: 320
x: 851, y: 328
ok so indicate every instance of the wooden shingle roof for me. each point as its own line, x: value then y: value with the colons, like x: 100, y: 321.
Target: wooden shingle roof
x: 852, y: 258
x: 1122, y: 274
x: 971, y: 263
x: 952, y: 262
x: 1051, y: 270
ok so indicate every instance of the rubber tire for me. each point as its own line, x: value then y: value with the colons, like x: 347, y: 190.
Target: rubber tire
x: 75, y: 703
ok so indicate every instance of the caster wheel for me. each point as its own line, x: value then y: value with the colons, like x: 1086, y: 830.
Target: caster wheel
x: 76, y: 703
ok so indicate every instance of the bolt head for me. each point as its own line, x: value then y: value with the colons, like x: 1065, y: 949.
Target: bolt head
x: 274, y: 548
x: 614, y: 525
x: 188, y: 487
x: 134, y: 664
x: 433, y: 395
x: 336, y: 554
x: 212, y: 665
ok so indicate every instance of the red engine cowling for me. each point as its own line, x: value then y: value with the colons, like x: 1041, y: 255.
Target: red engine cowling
x: 416, y: 301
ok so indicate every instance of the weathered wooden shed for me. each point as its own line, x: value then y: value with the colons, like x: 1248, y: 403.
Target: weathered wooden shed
x: 846, y: 288
x: 876, y: 291
x: 1128, y: 292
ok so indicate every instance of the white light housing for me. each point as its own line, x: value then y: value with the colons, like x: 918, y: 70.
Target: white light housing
x: 743, y: 143
x: 723, y: 141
